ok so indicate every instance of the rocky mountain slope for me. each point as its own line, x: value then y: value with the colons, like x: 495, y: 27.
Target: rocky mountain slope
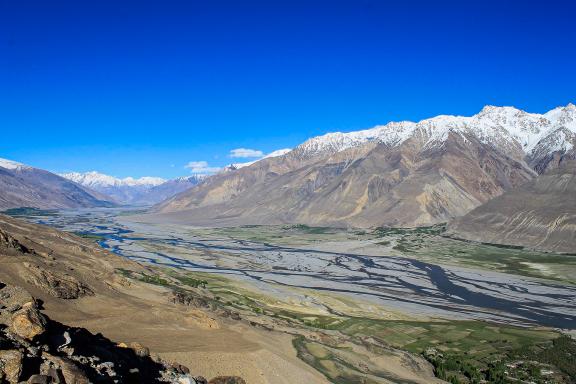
x: 399, y: 174
x: 39, y: 350
x: 130, y: 191
x: 25, y: 186
x: 59, y: 294
x: 539, y: 214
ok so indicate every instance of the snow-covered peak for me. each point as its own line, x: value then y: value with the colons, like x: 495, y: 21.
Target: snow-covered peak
x: 493, y: 110
x: 507, y: 128
x: 10, y: 164
x: 96, y: 179
x: 392, y: 134
x: 563, y: 115
x: 276, y: 153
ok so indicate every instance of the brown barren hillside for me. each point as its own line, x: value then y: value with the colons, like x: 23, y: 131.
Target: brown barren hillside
x: 399, y: 174
x: 540, y: 214
x: 77, y: 283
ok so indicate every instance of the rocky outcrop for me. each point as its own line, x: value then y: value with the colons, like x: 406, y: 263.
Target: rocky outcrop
x: 11, y: 363
x: 28, y: 322
x: 36, y: 349
x: 59, y: 285
x: 227, y: 380
x: 10, y: 243
x: 60, y: 268
x: 185, y: 298
x: 20, y: 314
x: 197, y: 301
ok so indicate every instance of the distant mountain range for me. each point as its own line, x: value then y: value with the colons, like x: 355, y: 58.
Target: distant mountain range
x: 130, y: 191
x: 25, y: 186
x: 398, y: 174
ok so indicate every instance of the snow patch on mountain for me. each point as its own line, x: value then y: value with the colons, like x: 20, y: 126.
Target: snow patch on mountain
x: 276, y: 153
x: 10, y: 164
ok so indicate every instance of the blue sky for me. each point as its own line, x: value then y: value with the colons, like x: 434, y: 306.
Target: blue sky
x: 134, y: 88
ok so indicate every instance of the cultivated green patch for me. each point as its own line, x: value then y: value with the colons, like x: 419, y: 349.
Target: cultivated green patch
x: 29, y: 211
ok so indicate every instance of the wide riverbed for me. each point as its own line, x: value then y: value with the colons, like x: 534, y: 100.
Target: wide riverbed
x: 399, y: 283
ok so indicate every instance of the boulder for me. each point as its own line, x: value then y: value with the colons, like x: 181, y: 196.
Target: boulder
x: 182, y: 369
x: 39, y: 379
x: 28, y: 322
x: 11, y: 365
x: 186, y: 380
x: 140, y: 350
x: 71, y: 372
x: 12, y: 298
x: 227, y: 380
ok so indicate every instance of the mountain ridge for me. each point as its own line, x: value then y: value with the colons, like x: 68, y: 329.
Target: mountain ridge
x: 524, y: 128
x: 399, y: 174
x: 25, y: 186
x: 540, y: 214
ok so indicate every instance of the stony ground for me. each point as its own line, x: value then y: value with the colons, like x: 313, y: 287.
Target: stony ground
x: 53, y: 284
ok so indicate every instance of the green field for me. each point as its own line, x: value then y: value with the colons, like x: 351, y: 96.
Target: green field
x: 461, y: 351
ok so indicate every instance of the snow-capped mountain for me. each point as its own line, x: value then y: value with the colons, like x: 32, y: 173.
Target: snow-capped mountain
x: 141, y: 191
x: 276, y: 153
x: 507, y: 128
x: 24, y: 186
x: 97, y: 179
x: 399, y: 174
x: 10, y: 164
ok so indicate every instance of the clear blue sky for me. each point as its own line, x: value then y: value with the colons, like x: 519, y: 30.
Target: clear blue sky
x: 135, y: 88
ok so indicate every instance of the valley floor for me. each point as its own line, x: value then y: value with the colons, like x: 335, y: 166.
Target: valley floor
x: 335, y: 295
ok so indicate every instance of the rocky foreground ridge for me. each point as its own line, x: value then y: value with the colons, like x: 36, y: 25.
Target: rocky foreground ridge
x: 35, y: 348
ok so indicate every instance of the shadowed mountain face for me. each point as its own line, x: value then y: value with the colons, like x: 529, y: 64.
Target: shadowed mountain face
x: 539, y: 214
x: 401, y: 174
x: 23, y: 186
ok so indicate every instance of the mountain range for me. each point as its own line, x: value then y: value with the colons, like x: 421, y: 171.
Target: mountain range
x: 399, y: 174
x: 131, y: 191
x: 503, y: 175
x: 25, y: 186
